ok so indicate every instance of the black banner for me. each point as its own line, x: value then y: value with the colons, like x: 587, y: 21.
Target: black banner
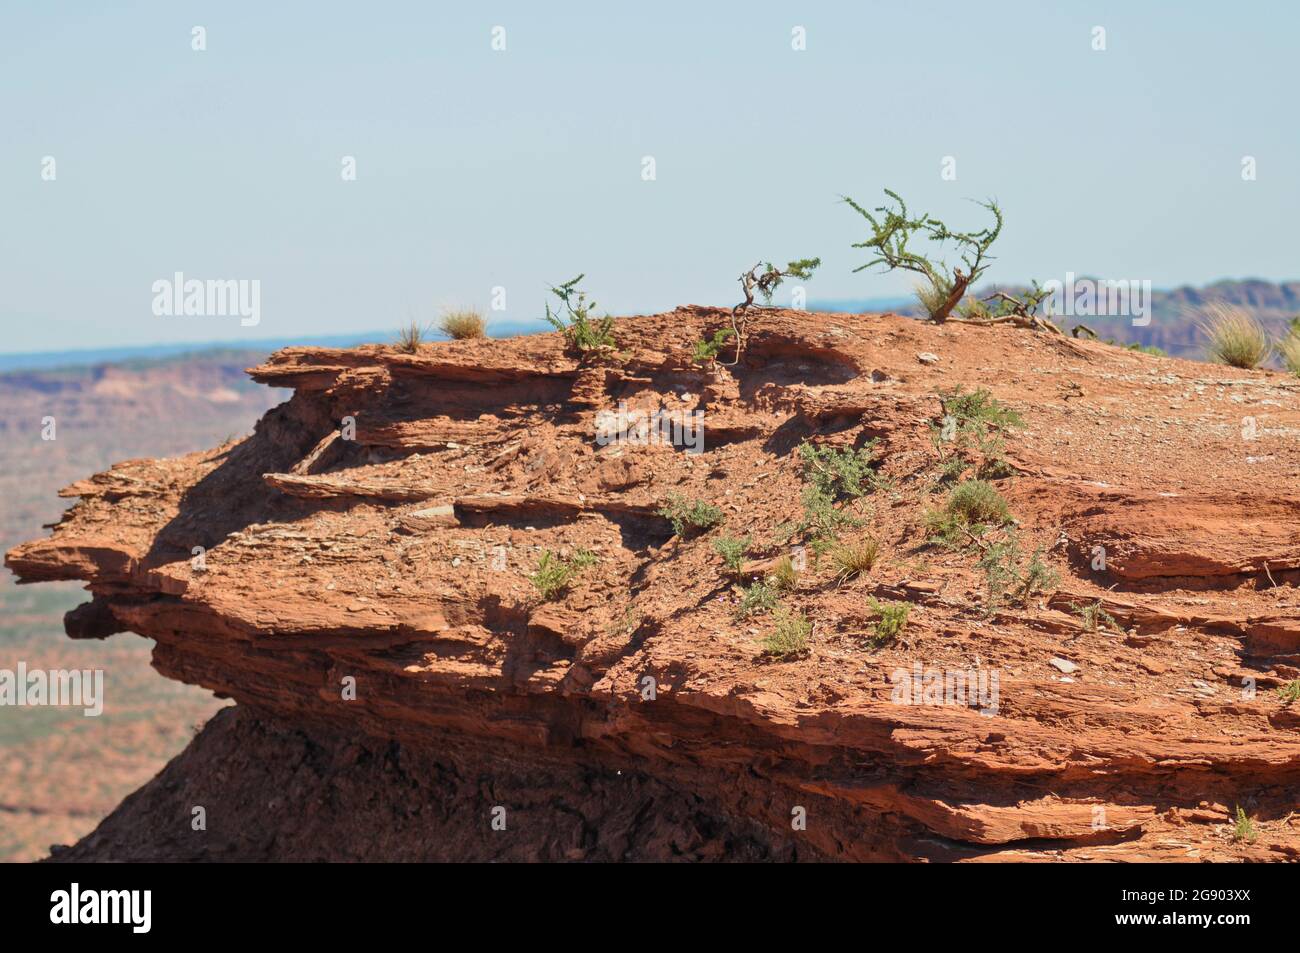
x: 142, y: 903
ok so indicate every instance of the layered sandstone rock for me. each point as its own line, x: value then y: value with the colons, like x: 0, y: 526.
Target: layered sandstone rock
x: 355, y: 576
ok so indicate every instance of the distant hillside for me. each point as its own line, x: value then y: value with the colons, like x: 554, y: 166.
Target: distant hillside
x: 1172, y: 330
x: 1173, y: 320
x: 102, y: 413
x: 126, y: 356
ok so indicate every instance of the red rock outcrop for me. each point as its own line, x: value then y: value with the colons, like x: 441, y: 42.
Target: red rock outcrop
x: 356, y: 576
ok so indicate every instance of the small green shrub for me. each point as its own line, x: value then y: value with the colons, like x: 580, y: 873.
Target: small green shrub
x: 1095, y: 618
x: 583, y: 332
x: 463, y: 325
x: 979, y: 408
x: 892, y: 621
x: 1008, y: 573
x: 789, y: 637
x: 1290, y: 692
x: 1243, y: 828
x: 833, y: 474
x: 761, y: 596
x: 689, y: 516
x: 972, y: 434
x: 554, y: 575
x: 1233, y: 336
x: 822, y: 519
x: 732, y: 552
x: 973, y: 506
x: 706, y: 351
x: 839, y: 473
x: 977, y: 502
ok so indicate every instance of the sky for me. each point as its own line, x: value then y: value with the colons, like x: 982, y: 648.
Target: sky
x: 479, y: 168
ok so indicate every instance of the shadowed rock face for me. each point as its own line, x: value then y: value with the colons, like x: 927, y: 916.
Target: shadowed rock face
x: 363, y: 595
x: 275, y: 792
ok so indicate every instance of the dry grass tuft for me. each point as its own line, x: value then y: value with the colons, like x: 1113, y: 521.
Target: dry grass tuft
x: 411, y: 337
x: 1233, y: 336
x: 1289, y: 350
x: 463, y: 325
x: 854, y: 559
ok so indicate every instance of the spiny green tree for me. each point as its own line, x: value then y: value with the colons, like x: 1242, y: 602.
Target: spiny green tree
x: 892, y: 229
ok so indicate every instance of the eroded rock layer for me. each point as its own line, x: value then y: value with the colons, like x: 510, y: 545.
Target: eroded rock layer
x: 356, y: 576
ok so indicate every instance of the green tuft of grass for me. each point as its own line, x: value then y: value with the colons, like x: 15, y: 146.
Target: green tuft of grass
x: 933, y: 297
x: 1243, y: 828
x: 1233, y: 336
x: 944, y: 529
x: 1094, y: 618
x: 761, y: 596
x: 971, y: 508
x: 554, y: 575
x: 789, y: 636
x: 892, y: 621
x: 689, y: 516
x: 582, y: 559
x: 732, y: 552
x: 1290, y: 692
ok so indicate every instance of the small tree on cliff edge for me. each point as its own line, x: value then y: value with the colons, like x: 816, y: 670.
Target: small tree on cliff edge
x: 763, y: 279
x: 583, y: 332
x: 892, y: 229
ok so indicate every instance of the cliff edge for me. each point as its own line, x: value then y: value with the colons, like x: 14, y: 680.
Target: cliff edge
x: 356, y: 576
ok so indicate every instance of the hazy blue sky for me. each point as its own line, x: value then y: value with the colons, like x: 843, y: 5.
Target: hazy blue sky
x: 478, y: 168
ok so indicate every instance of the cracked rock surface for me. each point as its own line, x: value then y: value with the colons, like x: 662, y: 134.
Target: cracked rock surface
x: 355, y: 575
